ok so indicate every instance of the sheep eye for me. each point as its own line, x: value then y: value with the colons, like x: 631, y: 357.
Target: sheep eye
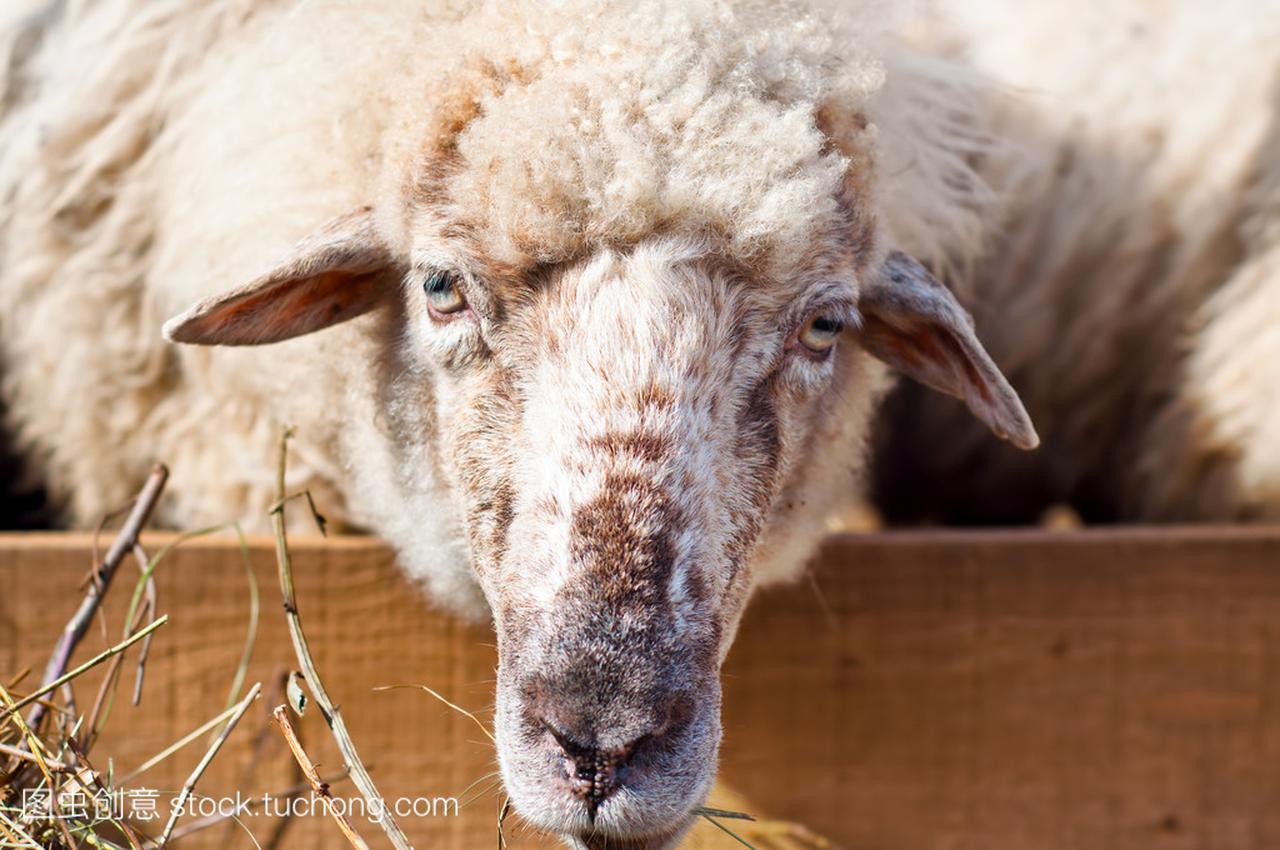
x: 444, y: 296
x: 820, y: 332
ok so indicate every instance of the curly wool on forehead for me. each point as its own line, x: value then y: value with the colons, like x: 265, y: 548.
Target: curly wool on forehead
x: 603, y: 123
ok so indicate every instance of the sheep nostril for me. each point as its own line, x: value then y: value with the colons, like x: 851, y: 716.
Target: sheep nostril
x: 594, y: 773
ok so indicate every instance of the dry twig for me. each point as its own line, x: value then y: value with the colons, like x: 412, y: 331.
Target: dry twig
x: 19, y: 753
x: 281, y: 716
x: 125, y: 540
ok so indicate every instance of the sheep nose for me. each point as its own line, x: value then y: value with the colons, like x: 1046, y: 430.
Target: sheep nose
x: 594, y: 773
x: 599, y: 736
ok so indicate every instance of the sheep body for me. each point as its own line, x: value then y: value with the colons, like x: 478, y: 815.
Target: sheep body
x: 1132, y: 287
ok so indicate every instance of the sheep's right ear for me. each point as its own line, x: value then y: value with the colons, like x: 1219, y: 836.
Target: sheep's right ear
x: 912, y: 322
x: 334, y: 274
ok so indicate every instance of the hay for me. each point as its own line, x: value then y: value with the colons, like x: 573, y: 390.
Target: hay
x: 46, y: 762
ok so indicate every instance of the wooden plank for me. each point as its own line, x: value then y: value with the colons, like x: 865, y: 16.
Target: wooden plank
x: 1080, y: 691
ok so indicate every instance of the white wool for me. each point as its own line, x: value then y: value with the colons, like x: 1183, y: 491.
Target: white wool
x: 1133, y: 293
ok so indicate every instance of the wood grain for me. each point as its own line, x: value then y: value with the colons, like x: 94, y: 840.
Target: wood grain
x: 1100, y: 690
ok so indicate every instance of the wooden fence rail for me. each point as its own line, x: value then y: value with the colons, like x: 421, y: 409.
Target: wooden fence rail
x: 1096, y: 690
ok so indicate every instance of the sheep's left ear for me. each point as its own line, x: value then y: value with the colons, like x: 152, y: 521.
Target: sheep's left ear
x: 914, y: 323
x: 335, y: 273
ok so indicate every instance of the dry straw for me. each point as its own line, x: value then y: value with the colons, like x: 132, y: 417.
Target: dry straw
x: 45, y: 756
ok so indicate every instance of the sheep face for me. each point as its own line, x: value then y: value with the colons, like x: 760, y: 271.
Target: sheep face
x: 631, y: 438
x: 619, y: 430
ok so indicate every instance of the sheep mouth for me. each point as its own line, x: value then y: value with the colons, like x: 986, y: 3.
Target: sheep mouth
x: 593, y: 840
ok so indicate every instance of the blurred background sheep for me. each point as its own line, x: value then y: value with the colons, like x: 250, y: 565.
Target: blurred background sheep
x: 1131, y: 289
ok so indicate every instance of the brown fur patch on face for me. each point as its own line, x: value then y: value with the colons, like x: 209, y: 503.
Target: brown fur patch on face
x: 622, y: 541
x: 758, y: 430
x: 458, y: 101
x: 482, y: 455
x: 760, y: 448
x: 642, y: 445
x: 502, y: 509
x: 654, y: 396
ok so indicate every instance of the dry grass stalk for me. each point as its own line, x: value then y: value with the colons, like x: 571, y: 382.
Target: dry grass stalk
x: 177, y: 745
x: 152, y: 605
x: 438, y: 696
x: 190, y: 784
x: 34, y: 696
x: 502, y: 818
x: 22, y: 754
x: 729, y: 832
x: 332, y: 715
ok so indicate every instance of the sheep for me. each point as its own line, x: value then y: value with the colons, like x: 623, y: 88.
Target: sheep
x: 1131, y: 287
x: 607, y: 296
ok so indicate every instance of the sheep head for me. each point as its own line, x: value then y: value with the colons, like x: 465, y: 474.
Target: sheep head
x: 625, y: 433
x: 641, y: 361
